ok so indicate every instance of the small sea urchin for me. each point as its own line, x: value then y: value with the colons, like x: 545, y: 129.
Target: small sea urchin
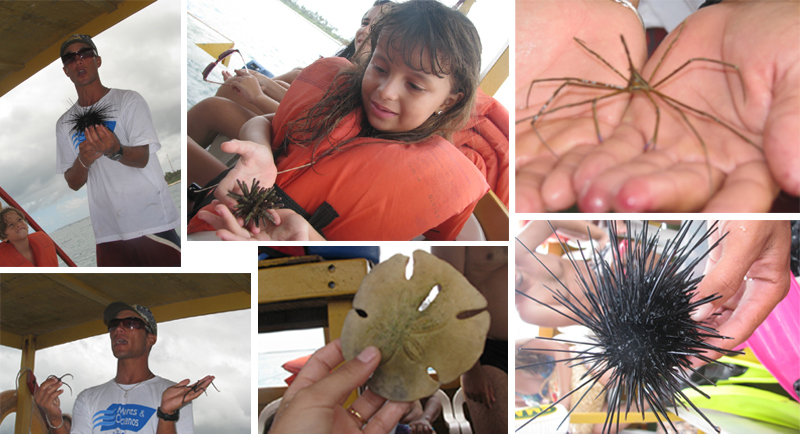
x: 637, y: 306
x: 254, y: 203
x: 97, y: 114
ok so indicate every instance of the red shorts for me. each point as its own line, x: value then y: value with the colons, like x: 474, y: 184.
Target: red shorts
x: 146, y: 251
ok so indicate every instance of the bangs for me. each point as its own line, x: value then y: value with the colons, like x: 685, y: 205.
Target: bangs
x: 419, y: 47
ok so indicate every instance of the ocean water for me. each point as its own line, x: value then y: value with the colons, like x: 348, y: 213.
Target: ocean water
x: 270, y: 33
x: 270, y: 370
x: 77, y: 239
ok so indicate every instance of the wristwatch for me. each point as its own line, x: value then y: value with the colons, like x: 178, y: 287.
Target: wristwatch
x: 169, y: 417
x: 116, y: 156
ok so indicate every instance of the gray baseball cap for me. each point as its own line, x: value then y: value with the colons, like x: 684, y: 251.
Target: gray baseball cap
x: 86, y: 39
x: 118, y: 306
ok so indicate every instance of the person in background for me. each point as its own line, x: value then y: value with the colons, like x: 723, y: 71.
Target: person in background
x: 19, y: 249
x: 486, y: 384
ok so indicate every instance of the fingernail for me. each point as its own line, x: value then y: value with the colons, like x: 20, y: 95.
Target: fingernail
x: 702, y: 312
x: 368, y: 354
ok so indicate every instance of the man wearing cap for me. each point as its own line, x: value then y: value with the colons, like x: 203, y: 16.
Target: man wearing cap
x: 136, y: 400
x: 107, y: 141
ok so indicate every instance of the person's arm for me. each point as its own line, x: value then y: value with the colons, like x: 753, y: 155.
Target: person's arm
x: 424, y: 423
x: 477, y: 386
x: 77, y: 175
x: 257, y: 130
x: 453, y: 255
x: 288, y: 77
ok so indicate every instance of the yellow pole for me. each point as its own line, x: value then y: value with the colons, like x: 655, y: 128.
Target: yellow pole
x: 24, y: 398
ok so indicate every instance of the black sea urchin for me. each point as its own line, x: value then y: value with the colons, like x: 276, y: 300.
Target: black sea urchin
x: 254, y: 202
x: 94, y: 115
x: 637, y: 306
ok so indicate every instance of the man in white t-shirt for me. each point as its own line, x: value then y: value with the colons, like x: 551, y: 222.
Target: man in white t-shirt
x: 136, y: 400
x: 107, y: 141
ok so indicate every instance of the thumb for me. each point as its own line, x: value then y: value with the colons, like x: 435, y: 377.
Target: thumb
x: 724, y: 273
x: 782, y: 154
x: 237, y: 147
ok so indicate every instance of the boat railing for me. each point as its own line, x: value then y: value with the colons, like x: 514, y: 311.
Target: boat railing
x: 11, y: 202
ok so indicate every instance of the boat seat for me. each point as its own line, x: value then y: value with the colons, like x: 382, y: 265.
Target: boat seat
x: 266, y: 413
x: 458, y: 411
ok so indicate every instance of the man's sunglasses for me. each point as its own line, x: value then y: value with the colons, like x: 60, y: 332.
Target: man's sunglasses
x: 128, y: 323
x: 225, y: 54
x: 83, y: 53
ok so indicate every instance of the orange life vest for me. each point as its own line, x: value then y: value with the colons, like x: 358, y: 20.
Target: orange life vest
x: 381, y: 189
x: 43, y: 248
x: 484, y: 140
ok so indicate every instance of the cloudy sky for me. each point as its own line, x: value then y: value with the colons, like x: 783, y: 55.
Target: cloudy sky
x: 190, y: 348
x: 142, y: 53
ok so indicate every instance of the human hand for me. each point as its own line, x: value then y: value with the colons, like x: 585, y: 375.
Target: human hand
x: 47, y: 399
x: 313, y: 403
x: 247, y: 85
x: 421, y: 426
x: 289, y: 226
x: 102, y: 139
x: 255, y: 163
x: 175, y: 397
x: 546, y: 49
x: 88, y: 154
x: 750, y: 269
x: 477, y: 386
x: 759, y: 37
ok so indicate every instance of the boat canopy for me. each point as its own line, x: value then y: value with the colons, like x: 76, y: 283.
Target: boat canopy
x: 32, y: 31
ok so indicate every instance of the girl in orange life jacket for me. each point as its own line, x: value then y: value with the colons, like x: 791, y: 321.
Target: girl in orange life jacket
x: 20, y: 249
x: 391, y: 112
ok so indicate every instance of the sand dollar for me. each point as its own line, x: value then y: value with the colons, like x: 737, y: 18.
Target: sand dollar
x: 447, y: 336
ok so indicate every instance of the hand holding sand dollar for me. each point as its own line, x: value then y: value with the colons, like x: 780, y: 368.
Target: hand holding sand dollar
x: 389, y: 312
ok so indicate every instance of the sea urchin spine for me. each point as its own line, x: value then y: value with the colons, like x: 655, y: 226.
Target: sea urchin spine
x: 637, y: 306
x: 255, y: 202
x: 95, y: 115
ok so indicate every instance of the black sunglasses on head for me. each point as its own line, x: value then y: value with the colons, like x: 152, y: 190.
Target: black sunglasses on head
x: 83, y: 53
x: 128, y: 323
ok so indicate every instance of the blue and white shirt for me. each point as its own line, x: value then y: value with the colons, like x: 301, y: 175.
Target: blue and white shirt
x: 105, y: 409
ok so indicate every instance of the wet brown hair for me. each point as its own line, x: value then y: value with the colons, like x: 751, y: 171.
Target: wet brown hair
x: 3, y: 226
x: 414, y: 29
x: 350, y: 50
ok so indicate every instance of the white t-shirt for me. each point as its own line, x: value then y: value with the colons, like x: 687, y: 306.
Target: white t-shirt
x: 124, y: 202
x: 660, y: 13
x: 104, y: 409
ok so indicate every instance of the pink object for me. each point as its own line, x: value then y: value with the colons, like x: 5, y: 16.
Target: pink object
x: 776, y: 342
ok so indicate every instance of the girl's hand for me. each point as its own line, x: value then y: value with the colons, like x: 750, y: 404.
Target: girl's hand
x: 255, y: 163
x: 247, y: 85
x: 289, y: 226
x: 263, y: 80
